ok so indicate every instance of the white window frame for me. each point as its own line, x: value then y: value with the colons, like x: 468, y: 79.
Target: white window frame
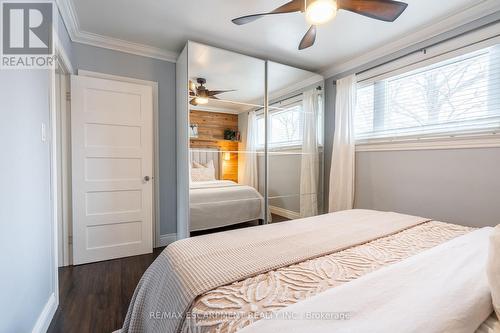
x: 468, y: 43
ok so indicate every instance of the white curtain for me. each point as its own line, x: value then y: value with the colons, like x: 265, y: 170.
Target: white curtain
x: 309, y: 171
x: 250, y: 173
x: 343, y: 155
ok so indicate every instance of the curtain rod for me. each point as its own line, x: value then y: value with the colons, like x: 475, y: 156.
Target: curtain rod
x: 424, y: 50
x: 318, y: 88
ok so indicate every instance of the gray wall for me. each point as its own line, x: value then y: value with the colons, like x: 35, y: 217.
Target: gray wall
x: 117, y: 63
x: 459, y: 185
x: 64, y: 38
x: 26, y: 237
x: 27, y: 266
x: 284, y: 180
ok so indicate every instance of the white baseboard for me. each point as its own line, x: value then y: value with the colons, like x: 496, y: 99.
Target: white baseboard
x: 43, y: 321
x: 284, y: 212
x: 167, y: 239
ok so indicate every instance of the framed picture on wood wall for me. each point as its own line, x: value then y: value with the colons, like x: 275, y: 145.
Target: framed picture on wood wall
x: 193, y: 130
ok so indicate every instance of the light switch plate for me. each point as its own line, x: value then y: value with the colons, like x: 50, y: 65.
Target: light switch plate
x: 44, y: 132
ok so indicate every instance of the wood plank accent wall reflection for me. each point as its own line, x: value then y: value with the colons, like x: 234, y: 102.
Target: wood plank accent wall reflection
x: 211, y: 126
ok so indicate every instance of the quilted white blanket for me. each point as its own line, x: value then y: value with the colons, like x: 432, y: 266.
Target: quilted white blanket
x: 220, y: 203
x: 444, y: 289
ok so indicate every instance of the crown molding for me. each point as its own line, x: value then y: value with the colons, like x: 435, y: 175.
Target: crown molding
x: 440, y: 26
x: 124, y: 46
x: 70, y: 18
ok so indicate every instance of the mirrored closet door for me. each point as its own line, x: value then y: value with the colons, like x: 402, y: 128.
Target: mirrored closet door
x: 249, y: 141
x: 294, y: 143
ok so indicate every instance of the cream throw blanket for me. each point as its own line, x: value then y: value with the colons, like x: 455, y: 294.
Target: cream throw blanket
x: 191, y: 267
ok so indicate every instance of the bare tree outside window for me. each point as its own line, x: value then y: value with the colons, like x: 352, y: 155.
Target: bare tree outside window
x: 454, y: 95
x: 444, y: 94
x: 286, y: 125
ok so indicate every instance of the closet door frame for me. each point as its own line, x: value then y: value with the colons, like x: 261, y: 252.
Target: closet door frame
x: 182, y: 127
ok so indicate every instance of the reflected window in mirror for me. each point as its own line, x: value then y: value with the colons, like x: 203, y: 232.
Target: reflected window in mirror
x: 286, y: 124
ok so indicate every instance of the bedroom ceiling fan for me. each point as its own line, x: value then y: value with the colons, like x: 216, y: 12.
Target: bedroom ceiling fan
x: 318, y: 12
x: 200, y: 94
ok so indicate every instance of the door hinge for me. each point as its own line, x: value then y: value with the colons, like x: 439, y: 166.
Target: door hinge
x: 68, y: 96
x: 70, y: 240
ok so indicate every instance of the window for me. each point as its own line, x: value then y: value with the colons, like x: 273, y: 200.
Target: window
x: 460, y: 95
x: 286, y: 125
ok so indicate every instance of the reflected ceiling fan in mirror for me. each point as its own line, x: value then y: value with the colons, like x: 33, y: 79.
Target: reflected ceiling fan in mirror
x: 318, y: 12
x: 200, y: 94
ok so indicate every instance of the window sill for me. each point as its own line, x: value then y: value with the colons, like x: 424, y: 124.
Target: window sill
x: 458, y: 142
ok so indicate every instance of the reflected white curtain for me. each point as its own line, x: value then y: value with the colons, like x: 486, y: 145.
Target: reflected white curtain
x: 343, y: 155
x: 309, y: 171
x: 250, y: 173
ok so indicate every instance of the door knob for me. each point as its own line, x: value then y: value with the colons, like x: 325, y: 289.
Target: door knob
x: 147, y: 178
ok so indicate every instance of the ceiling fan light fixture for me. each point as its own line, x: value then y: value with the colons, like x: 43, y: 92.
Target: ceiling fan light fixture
x: 192, y: 86
x: 321, y: 11
x: 201, y: 100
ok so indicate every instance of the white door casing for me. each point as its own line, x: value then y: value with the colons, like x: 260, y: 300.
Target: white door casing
x: 112, y: 154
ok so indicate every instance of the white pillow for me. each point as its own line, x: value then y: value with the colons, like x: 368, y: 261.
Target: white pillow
x: 494, y: 268
x: 202, y: 174
x: 206, y: 165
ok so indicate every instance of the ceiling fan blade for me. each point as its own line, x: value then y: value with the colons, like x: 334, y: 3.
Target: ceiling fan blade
x: 213, y: 97
x: 217, y: 92
x: 308, y: 39
x: 290, y: 7
x: 193, y: 102
x: 384, y: 10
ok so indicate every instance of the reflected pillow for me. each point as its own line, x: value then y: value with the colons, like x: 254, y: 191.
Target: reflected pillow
x: 206, y: 165
x: 202, y: 174
x: 494, y: 268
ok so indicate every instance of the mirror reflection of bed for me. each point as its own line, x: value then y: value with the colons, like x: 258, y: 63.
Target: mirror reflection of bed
x: 217, y: 201
x: 220, y: 196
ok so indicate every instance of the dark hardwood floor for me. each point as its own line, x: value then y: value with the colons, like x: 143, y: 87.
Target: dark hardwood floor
x: 275, y: 219
x: 94, y: 298
x: 278, y: 218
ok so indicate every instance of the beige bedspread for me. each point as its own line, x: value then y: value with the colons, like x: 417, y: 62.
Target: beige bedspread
x: 192, y: 267
x: 229, y: 308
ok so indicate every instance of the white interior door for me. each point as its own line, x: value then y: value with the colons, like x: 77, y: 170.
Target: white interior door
x: 112, y: 166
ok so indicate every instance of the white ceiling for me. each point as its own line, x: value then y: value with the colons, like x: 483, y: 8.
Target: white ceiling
x: 168, y: 24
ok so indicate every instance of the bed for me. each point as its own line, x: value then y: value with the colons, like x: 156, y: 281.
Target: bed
x: 253, y: 279
x: 218, y: 203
